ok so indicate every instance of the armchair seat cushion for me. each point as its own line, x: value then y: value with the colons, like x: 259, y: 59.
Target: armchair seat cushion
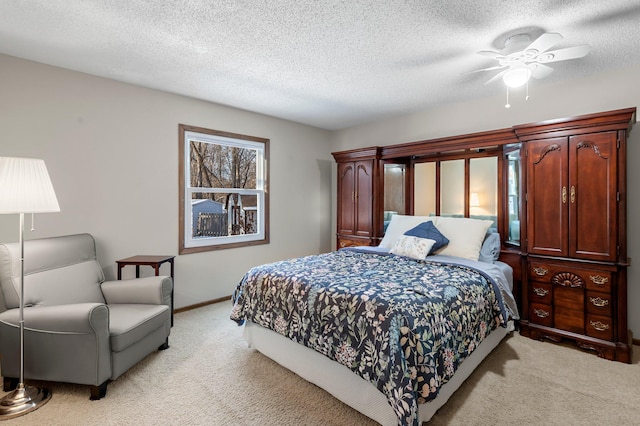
x: 130, y: 323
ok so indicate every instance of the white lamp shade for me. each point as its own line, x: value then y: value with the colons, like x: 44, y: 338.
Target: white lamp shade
x: 516, y: 77
x: 25, y: 187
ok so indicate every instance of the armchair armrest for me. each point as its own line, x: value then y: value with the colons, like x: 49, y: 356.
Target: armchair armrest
x: 148, y: 290
x: 78, y: 318
x: 72, y: 343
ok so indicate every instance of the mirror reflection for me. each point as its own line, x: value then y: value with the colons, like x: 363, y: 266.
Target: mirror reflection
x: 513, y: 197
x: 452, y: 188
x: 483, y: 188
x: 394, y: 191
x: 424, y: 189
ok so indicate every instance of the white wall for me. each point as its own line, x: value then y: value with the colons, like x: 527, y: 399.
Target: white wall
x: 112, y: 153
x: 604, y: 92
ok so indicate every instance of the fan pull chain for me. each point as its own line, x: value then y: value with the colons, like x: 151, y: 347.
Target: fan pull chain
x: 507, y: 105
x: 33, y: 228
x: 527, y: 97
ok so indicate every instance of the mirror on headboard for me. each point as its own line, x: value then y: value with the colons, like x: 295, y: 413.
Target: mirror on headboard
x: 424, y: 188
x: 395, y: 183
x: 465, y: 186
x: 452, y: 188
x: 513, y: 197
x: 483, y: 189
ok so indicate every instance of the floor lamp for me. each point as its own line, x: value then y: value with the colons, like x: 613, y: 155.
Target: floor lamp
x: 25, y: 187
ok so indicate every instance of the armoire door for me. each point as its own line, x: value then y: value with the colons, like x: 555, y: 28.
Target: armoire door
x: 593, y: 204
x: 547, y: 197
x: 355, y: 195
x: 346, y: 197
x: 363, y: 198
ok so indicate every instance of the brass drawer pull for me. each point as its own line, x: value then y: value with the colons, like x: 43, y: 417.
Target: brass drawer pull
x: 540, y: 291
x: 600, y: 326
x: 596, y: 301
x: 541, y: 313
x: 540, y: 271
x: 598, y: 279
x: 564, y: 195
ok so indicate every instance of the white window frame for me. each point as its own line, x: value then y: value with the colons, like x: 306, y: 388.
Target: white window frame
x: 189, y: 244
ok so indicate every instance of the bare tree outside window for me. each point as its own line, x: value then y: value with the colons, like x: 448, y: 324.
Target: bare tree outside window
x: 223, y: 197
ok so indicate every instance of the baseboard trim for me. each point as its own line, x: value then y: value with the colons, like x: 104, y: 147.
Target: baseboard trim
x: 200, y: 305
x: 635, y: 342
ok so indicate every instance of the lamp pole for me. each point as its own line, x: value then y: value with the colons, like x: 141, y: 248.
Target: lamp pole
x: 25, y: 187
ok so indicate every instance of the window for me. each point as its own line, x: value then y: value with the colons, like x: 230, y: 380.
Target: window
x: 224, y: 201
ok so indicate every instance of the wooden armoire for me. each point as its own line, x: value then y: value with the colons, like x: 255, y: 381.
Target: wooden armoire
x: 359, y: 195
x: 575, y: 284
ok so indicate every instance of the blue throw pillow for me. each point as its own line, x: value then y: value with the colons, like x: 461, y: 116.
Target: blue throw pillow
x: 429, y: 230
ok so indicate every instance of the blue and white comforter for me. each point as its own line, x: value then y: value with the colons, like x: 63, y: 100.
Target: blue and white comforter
x: 402, y: 324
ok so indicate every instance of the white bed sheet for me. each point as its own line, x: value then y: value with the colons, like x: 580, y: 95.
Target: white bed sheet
x: 347, y: 386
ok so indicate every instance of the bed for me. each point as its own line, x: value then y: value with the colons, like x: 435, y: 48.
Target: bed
x: 391, y: 331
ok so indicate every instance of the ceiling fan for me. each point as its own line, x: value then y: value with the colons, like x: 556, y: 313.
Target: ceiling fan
x: 521, y: 60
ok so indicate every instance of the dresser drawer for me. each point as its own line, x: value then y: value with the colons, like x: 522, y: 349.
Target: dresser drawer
x: 599, y: 303
x: 570, y: 298
x: 353, y: 242
x: 600, y: 327
x: 568, y: 308
x: 541, y: 314
x: 568, y: 319
x: 540, y: 292
x: 539, y: 271
x: 568, y: 275
x: 598, y: 281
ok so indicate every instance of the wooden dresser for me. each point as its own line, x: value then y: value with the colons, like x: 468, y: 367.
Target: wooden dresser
x: 575, y: 249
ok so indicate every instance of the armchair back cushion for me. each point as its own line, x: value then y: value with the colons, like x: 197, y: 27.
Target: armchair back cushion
x: 58, y: 270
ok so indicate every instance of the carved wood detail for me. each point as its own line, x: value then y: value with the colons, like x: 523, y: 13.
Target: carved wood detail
x: 548, y: 149
x: 568, y: 279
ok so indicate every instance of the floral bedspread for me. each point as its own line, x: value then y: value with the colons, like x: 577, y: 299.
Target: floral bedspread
x: 402, y: 324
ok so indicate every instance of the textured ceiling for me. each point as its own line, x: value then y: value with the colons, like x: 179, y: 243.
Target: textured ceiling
x: 326, y: 63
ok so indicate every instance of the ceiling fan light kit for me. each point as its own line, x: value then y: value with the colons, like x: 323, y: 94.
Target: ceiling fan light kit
x: 519, y: 61
x: 516, y: 77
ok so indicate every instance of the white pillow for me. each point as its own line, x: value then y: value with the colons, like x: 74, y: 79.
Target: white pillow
x: 413, y: 247
x: 399, y: 225
x: 465, y: 236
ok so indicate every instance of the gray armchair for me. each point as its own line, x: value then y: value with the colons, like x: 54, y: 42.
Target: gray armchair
x: 79, y: 328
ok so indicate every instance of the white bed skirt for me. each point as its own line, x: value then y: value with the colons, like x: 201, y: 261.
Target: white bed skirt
x: 347, y: 386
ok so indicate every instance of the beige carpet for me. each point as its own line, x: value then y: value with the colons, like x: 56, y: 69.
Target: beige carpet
x: 210, y: 377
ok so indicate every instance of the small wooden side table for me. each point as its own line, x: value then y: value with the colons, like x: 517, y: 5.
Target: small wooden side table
x: 147, y: 260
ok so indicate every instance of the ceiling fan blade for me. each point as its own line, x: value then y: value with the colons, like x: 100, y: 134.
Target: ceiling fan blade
x: 497, y: 67
x: 494, y: 55
x: 545, y: 42
x: 539, y: 71
x: 564, y: 54
x: 496, y: 77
